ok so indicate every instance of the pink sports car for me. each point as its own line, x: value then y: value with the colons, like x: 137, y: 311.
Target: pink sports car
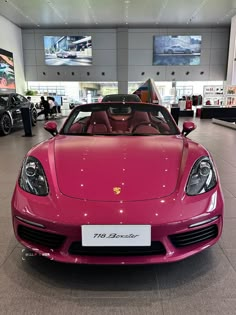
x: 118, y: 184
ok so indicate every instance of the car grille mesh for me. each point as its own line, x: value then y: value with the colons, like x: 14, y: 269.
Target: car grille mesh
x: 42, y: 238
x: 195, y: 236
x: 156, y: 248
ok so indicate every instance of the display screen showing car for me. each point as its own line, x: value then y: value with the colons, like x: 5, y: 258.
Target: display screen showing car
x: 69, y: 50
x: 10, y: 112
x: 118, y: 184
x: 7, y: 73
x: 177, y: 50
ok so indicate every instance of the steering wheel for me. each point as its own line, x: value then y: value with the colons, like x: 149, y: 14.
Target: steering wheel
x: 145, y: 124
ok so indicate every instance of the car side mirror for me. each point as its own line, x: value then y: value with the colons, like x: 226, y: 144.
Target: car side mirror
x: 188, y: 126
x: 51, y: 127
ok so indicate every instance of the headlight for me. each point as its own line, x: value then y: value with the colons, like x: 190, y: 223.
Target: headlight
x: 202, y: 177
x: 32, y: 178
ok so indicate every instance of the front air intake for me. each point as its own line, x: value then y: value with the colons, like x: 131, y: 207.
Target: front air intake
x: 49, y: 240
x: 194, y: 236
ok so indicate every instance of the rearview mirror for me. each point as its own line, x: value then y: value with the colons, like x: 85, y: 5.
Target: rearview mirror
x: 188, y: 126
x: 51, y: 127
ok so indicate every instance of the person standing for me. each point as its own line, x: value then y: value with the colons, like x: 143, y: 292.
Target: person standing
x: 45, y: 108
x: 53, y: 109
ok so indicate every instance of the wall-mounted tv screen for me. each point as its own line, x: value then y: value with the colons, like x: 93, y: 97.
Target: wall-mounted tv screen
x: 177, y: 50
x: 7, y: 73
x: 68, y: 50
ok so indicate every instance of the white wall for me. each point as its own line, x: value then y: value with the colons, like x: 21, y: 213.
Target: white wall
x: 231, y: 74
x: 214, y: 53
x: 116, y: 53
x: 11, y: 40
x: 104, y: 56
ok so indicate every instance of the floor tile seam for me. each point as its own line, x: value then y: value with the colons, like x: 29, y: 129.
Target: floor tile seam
x: 3, y: 263
x: 228, y: 191
x: 160, y: 300
x: 222, y: 249
x: 226, y: 161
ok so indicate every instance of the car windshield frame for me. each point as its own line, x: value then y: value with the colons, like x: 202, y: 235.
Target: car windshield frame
x: 167, y: 119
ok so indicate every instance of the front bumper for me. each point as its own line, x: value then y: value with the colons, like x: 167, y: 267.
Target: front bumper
x: 53, y: 228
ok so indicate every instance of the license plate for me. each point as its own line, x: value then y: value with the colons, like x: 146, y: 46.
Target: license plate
x: 116, y: 235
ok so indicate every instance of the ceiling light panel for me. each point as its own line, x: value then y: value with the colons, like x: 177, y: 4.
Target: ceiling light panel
x: 20, y: 9
x: 115, y: 13
x: 56, y: 11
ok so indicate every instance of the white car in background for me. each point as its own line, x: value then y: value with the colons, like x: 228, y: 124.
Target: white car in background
x: 66, y: 54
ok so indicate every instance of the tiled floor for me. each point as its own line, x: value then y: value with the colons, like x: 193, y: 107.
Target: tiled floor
x: 203, y: 284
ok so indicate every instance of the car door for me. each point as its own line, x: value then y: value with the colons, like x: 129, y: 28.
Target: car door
x: 15, y: 105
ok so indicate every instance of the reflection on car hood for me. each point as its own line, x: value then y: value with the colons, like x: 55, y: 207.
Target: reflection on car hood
x: 118, y: 168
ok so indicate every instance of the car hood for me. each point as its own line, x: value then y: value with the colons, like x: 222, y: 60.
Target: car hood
x: 118, y: 168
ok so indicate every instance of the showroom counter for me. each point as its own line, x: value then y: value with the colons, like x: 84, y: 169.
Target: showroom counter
x: 217, y: 112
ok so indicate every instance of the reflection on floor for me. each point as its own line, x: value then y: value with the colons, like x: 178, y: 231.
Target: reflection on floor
x: 203, y: 284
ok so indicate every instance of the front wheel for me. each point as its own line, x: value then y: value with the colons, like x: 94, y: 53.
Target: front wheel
x: 5, y: 125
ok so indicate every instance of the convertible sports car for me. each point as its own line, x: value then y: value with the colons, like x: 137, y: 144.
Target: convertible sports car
x: 10, y: 112
x: 118, y: 184
x: 177, y: 49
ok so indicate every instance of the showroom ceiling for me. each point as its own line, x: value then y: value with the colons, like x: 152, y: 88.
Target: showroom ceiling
x: 117, y: 13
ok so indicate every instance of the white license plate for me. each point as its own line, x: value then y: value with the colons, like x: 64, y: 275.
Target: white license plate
x: 116, y: 235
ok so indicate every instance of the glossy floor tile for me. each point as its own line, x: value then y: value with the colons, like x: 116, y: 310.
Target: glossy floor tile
x: 202, y: 284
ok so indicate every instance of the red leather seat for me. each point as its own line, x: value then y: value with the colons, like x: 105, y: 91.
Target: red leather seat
x: 99, y: 123
x: 146, y: 129
x: 139, y: 118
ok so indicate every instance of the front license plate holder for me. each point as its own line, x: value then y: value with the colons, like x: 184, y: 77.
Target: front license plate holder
x: 116, y: 235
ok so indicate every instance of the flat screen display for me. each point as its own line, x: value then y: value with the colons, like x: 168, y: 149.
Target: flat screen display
x: 68, y: 50
x: 177, y: 50
x: 7, y: 73
x: 58, y: 99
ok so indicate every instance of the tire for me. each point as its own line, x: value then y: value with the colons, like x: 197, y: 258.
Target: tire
x: 170, y: 51
x: 34, y: 117
x: 5, y: 125
x: 187, y: 51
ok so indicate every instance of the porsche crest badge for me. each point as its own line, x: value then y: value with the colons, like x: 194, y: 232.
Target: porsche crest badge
x: 117, y: 190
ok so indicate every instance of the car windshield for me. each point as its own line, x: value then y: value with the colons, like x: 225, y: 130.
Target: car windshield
x: 119, y: 119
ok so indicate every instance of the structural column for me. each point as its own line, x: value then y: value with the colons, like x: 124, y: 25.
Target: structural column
x: 122, y: 60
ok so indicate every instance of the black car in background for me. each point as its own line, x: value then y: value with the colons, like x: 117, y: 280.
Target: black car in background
x: 10, y: 112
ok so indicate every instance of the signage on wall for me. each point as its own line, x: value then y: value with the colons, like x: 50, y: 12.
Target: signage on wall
x: 68, y: 50
x: 7, y: 73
